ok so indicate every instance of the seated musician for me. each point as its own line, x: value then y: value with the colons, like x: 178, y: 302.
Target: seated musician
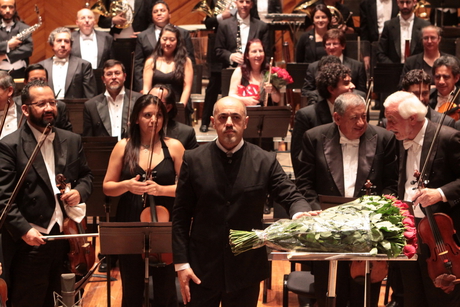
x: 337, y: 159
x: 446, y: 73
x: 128, y: 163
x: 32, y: 266
x: 406, y: 119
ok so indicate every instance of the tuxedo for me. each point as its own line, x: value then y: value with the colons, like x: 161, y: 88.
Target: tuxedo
x: 35, y: 203
x: 306, y: 48
x: 443, y: 171
x: 22, y: 52
x: 96, y: 117
x: 80, y: 81
x: 62, y: 119
x: 368, y: 19
x: 220, y: 193
x: 141, y: 19
x: 145, y: 45
x: 306, y: 118
x: 358, y: 75
x: 104, y: 46
x: 434, y: 99
x: 321, y: 170
x: 225, y: 43
x: 389, y: 50
x: 185, y: 134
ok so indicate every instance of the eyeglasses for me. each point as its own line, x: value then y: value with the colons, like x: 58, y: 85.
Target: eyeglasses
x: 332, y: 44
x: 42, y: 103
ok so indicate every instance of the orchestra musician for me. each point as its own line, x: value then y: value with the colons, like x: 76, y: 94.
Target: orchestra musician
x: 128, y: 162
x: 33, y: 267
x: 446, y: 74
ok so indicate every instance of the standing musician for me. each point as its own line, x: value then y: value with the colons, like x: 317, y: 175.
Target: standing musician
x: 337, y: 159
x: 14, y: 53
x: 406, y: 119
x: 128, y: 163
x: 33, y: 268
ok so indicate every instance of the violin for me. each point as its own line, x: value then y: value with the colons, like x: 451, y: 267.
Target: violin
x: 151, y: 212
x: 378, y: 269
x: 437, y: 231
x: 81, y: 255
x: 450, y: 108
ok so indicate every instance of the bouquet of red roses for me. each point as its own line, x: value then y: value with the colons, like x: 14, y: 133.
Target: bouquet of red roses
x: 279, y: 77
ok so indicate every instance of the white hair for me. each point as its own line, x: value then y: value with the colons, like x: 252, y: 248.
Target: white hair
x: 408, y: 105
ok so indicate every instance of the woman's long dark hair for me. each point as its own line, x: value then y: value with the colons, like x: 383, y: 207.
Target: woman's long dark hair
x: 246, y: 67
x: 180, y: 54
x: 131, y: 156
x: 323, y: 8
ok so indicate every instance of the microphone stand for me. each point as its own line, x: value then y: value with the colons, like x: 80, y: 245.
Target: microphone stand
x: 15, y: 192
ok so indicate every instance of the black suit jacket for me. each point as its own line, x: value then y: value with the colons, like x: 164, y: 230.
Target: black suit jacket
x: 96, y: 117
x: 142, y: 16
x: 306, y: 48
x: 35, y: 202
x: 104, y: 46
x: 80, y: 81
x: 389, y: 50
x: 358, y: 76
x: 185, y: 134
x: 62, y: 119
x: 368, y: 19
x: 434, y: 99
x: 226, y: 38
x: 145, y: 44
x: 204, y: 195
x: 416, y: 62
x: 23, y: 51
x: 306, y: 118
x: 443, y: 169
x: 321, y: 159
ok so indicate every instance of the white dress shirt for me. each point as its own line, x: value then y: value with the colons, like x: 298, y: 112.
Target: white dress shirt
x: 116, y: 112
x: 442, y: 100
x: 406, y: 33
x: 244, y: 30
x: 11, y: 121
x: 350, y: 155
x: 47, y: 152
x: 88, y: 48
x: 384, y: 8
x: 60, y: 67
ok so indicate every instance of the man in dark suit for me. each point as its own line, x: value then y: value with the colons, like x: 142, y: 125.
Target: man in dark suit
x: 406, y: 119
x: 107, y: 113
x: 333, y: 80
x: 397, y: 31
x: 337, y: 159
x: 446, y: 74
x: 69, y: 76
x: 39, y: 209
x: 334, y: 42
x: 38, y: 72
x: 174, y: 129
x: 89, y: 44
x: 223, y: 185
x: 14, y: 53
x: 147, y: 40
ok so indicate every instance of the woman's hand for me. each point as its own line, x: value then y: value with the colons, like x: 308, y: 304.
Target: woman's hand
x: 268, y: 87
x: 135, y: 186
x: 249, y: 101
x: 154, y: 188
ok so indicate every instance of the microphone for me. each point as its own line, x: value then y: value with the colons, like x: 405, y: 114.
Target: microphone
x: 68, y: 289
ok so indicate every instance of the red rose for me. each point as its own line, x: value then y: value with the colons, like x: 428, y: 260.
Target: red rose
x: 410, y: 233
x: 409, y: 251
x: 400, y: 204
x: 390, y: 197
x: 409, y: 221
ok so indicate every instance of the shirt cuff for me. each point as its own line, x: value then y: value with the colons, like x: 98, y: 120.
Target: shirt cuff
x: 181, y: 266
x: 219, y: 18
x: 7, y: 48
x: 296, y: 215
x: 444, y: 199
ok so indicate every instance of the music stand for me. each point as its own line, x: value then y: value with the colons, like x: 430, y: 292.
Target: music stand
x: 267, y: 122
x: 135, y: 238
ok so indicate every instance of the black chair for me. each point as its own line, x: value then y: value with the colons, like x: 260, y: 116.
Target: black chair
x: 299, y: 282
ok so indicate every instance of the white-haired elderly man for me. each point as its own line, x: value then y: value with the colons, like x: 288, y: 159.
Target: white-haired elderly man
x: 406, y: 119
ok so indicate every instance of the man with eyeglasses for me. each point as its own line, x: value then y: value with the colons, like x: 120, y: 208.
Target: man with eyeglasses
x: 400, y: 31
x: 107, y: 113
x: 39, y: 208
x: 431, y: 37
x: 38, y: 72
x: 89, y: 44
x: 335, y: 42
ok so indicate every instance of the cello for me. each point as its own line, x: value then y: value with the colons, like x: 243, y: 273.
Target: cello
x: 436, y: 231
x: 81, y: 254
x: 151, y: 212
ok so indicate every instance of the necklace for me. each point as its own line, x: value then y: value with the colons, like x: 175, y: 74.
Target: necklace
x: 146, y: 147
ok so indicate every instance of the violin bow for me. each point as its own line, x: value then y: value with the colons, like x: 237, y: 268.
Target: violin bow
x: 369, y: 96
x: 15, y: 192
x: 269, y: 79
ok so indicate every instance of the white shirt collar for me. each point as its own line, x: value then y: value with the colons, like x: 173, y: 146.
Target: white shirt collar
x: 237, y: 147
